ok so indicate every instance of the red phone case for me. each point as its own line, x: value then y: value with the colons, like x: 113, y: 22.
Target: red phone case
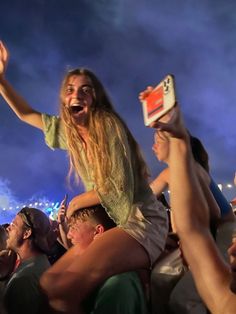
x: 159, y: 101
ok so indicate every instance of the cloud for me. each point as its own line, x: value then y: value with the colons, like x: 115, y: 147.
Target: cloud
x: 128, y: 48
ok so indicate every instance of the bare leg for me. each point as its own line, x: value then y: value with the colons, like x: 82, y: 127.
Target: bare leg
x: 112, y: 253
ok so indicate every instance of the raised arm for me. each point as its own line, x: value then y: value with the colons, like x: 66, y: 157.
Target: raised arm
x: 63, y: 225
x: 191, y: 213
x: 161, y: 182
x: 21, y: 108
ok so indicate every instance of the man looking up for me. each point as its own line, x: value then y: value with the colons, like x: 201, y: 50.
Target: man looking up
x: 27, y: 236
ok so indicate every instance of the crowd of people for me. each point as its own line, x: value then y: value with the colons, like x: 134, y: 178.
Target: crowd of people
x: 108, y: 242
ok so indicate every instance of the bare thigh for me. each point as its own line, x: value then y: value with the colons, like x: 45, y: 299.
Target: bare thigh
x: 113, y: 252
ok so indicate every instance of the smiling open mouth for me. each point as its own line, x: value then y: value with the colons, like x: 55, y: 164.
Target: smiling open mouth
x: 76, y: 108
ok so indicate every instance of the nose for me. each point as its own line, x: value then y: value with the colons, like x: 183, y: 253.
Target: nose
x: 76, y: 94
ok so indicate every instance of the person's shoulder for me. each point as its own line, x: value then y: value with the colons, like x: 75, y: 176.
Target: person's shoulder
x: 33, y: 267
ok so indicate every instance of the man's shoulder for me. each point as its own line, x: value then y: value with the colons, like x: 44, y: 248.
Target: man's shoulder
x: 123, y: 282
x: 30, y: 269
x: 120, y: 293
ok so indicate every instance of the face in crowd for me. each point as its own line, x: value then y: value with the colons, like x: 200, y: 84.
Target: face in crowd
x: 79, y: 97
x: 18, y: 231
x: 83, y: 232
x: 161, y: 147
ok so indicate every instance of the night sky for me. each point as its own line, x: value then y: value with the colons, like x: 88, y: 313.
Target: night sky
x: 129, y: 45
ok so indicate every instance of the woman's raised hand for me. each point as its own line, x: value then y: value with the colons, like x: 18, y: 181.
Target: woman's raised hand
x: 4, y: 57
x: 73, y: 206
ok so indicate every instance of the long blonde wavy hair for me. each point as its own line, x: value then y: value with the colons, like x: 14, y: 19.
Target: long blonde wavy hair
x: 101, y: 113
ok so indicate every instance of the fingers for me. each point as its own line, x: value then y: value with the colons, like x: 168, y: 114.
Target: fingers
x: 3, y: 52
x: 145, y: 93
x: 70, y: 211
x: 72, y: 207
x: 232, y: 257
x: 232, y: 251
x: 61, y: 215
x: 4, y: 55
x: 171, y: 124
x: 166, y: 122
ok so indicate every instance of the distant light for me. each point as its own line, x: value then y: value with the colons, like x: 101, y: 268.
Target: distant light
x: 229, y: 185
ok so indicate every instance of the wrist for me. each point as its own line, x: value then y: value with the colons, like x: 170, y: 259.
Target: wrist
x: 2, y: 82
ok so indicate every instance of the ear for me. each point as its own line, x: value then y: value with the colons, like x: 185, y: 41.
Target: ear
x: 27, y: 233
x: 99, y: 229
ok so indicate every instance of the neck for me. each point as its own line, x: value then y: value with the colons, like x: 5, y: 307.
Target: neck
x: 83, y: 131
x: 26, y: 252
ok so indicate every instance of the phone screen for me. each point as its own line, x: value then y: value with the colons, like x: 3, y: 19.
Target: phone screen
x: 65, y: 199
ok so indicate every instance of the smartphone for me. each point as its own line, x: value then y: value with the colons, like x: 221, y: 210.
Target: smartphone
x: 65, y: 199
x: 161, y: 100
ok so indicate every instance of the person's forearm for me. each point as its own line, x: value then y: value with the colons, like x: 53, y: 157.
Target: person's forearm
x: 158, y: 186
x: 63, y: 230
x: 19, y: 105
x: 64, y: 261
x: 187, y: 198
x: 214, y: 210
x: 83, y: 200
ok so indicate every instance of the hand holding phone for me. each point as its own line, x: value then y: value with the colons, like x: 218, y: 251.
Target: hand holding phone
x: 158, y: 101
x: 65, y: 199
x: 61, y: 216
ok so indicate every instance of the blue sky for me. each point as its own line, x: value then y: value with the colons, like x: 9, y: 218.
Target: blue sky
x: 129, y: 45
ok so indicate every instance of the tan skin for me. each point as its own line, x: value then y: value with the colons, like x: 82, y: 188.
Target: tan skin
x: 28, y: 115
x: 232, y: 256
x: 191, y: 212
x: 19, y: 239
x: 80, y: 273
x: 76, y: 271
x: 161, y: 148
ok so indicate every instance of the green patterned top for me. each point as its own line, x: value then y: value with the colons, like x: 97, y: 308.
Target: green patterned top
x: 125, y: 190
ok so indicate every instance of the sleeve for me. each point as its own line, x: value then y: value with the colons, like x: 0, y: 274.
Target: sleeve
x: 54, y: 132
x: 120, y: 294
x: 118, y: 201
